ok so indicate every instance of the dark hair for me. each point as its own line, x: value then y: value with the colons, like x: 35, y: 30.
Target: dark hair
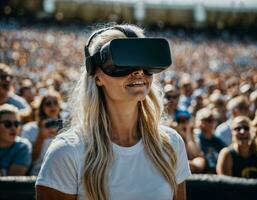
x: 41, y: 113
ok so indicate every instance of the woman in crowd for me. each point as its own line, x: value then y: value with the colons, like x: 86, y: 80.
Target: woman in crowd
x: 42, y: 131
x: 239, y: 159
x: 15, y: 152
x: 115, y: 147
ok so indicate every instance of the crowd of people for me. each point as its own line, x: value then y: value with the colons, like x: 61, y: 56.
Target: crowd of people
x: 209, y: 97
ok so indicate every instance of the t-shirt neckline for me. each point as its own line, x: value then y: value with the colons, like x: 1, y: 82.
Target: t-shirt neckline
x: 128, y: 150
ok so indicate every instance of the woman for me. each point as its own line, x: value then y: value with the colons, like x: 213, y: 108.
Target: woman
x: 42, y: 131
x: 115, y: 148
x: 239, y: 159
x: 15, y: 152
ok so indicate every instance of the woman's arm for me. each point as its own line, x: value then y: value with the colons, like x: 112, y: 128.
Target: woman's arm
x: 181, y: 193
x: 224, y: 163
x: 43, y: 134
x: 46, y: 193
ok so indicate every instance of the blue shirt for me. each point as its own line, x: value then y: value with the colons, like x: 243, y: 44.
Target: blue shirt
x: 211, y: 148
x: 19, y: 153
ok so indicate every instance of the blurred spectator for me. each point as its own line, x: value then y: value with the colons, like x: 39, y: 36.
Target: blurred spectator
x: 238, y: 159
x: 253, y: 103
x: 41, y: 132
x: 232, y: 87
x: 171, y: 97
x: 194, y: 153
x: 217, y: 103
x: 186, y: 92
x: 197, y: 102
x: 7, y: 94
x: 200, y: 86
x: 15, y: 152
x: 245, y: 90
x: 27, y: 90
x: 209, y: 143
x: 237, y: 106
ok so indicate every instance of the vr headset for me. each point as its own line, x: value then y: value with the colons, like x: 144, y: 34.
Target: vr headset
x: 120, y: 57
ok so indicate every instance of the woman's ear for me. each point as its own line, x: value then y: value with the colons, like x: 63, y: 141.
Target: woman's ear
x: 98, y: 81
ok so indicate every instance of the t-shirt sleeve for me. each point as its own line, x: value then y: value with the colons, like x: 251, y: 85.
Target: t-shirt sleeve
x: 182, y: 168
x: 60, y: 168
x: 23, y: 155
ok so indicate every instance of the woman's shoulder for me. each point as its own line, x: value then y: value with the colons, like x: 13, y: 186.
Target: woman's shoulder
x: 68, y: 141
x: 30, y: 125
x: 30, y: 128
x: 174, y: 138
x: 22, y: 144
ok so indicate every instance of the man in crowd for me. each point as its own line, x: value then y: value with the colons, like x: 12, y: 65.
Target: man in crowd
x: 7, y: 93
x: 236, y: 106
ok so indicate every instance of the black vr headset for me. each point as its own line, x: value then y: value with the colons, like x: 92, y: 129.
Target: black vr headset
x: 120, y: 57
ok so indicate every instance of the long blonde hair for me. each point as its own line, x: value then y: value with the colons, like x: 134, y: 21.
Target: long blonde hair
x: 89, y: 111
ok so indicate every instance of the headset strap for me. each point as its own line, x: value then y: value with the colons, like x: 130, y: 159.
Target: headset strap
x: 95, y: 60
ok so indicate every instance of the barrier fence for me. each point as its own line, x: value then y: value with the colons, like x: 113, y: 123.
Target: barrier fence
x: 199, y: 187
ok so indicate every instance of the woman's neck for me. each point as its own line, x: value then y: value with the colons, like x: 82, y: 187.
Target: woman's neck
x: 243, y: 150
x: 124, y: 119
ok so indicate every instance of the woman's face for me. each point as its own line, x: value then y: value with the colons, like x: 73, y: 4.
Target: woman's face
x: 9, y: 128
x: 51, y: 107
x: 241, y: 133
x: 133, y: 87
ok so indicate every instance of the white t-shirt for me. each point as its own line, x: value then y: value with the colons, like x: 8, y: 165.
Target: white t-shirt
x: 132, y: 176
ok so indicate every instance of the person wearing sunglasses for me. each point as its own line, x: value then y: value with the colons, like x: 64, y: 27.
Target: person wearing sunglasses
x: 171, y: 98
x: 15, y: 152
x: 239, y: 159
x: 42, y: 131
x: 236, y: 106
x: 210, y: 145
x: 115, y: 147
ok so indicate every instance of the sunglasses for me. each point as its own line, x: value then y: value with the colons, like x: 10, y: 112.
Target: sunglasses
x: 171, y: 97
x: 6, y: 77
x: 209, y: 120
x: 182, y: 120
x: 51, y: 103
x: 239, y: 128
x: 10, y: 124
x: 243, y: 107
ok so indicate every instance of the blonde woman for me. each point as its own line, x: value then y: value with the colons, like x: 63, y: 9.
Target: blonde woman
x: 115, y: 147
